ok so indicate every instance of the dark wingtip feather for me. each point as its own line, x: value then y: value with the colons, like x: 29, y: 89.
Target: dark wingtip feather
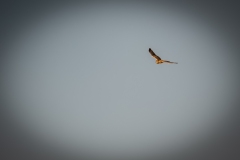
x: 149, y: 49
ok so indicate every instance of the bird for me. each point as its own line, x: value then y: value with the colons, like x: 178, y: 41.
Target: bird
x: 158, y: 59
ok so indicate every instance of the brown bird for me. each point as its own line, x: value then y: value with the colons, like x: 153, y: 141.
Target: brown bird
x: 158, y: 59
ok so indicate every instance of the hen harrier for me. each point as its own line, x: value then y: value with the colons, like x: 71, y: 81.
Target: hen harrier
x: 158, y: 59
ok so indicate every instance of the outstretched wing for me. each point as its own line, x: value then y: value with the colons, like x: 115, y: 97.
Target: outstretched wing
x: 170, y: 62
x: 153, y: 54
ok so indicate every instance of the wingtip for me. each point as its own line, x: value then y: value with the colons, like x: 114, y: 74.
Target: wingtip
x: 149, y: 49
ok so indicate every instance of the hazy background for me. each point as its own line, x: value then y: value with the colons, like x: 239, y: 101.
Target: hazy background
x: 77, y: 80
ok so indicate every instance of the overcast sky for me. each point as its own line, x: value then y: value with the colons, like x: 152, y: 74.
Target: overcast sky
x: 81, y: 79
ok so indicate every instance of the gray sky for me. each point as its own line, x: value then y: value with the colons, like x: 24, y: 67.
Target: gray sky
x: 82, y: 79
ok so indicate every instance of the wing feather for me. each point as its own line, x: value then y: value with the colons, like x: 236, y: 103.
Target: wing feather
x: 153, y: 54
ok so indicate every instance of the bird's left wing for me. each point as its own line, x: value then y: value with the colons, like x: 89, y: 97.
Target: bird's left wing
x: 153, y: 54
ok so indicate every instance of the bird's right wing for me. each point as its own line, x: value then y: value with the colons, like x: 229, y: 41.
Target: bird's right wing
x: 153, y: 54
x: 170, y: 62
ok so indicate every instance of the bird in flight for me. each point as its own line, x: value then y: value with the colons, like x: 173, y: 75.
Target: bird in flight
x: 158, y: 59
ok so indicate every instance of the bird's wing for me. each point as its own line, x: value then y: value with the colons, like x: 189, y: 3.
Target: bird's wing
x: 153, y: 54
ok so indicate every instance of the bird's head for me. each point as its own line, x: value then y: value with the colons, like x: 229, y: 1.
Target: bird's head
x: 157, y: 61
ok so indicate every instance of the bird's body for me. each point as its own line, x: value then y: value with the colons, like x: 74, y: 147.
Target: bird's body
x: 158, y: 59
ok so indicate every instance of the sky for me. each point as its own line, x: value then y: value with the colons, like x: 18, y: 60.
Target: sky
x: 80, y: 79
